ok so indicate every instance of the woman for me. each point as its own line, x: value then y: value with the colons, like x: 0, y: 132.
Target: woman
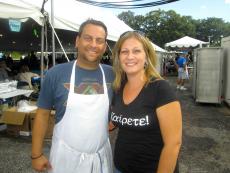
x: 145, y: 109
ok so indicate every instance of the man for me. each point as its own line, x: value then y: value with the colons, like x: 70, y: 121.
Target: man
x: 181, y: 64
x: 79, y: 94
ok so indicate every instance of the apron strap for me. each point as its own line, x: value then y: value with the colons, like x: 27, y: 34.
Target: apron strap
x: 104, y: 81
x: 96, y: 162
x: 72, y: 78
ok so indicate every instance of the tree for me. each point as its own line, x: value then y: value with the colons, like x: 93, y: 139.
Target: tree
x: 129, y: 18
x: 160, y: 26
x: 164, y: 26
x: 170, y: 26
x: 212, y: 29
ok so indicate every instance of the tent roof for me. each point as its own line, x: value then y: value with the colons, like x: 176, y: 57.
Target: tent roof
x: 158, y: 48
x: 26, y: 40
x: 68, y: 15
x: 185, y: 42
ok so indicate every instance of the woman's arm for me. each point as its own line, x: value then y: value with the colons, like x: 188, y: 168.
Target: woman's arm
x: 170, y: 121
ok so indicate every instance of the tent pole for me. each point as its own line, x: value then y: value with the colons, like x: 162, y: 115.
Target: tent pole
x: 53, y: 37
x: 42, y: 52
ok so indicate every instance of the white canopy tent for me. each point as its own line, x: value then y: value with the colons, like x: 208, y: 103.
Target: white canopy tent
x: 186, y: 42
x: 158, y: 48
x: 68, y: 15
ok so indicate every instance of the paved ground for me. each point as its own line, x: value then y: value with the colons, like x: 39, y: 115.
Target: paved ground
x: 206, y: 139
x: 205, y: 148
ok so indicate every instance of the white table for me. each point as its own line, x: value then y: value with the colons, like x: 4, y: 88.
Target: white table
x: 16, y: 92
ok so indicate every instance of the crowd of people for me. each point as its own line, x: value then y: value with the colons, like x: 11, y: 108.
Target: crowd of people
x: 25, y: 70
x: 11, y: 70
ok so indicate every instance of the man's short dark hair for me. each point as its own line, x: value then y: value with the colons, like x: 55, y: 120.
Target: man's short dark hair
x: 93, y: 22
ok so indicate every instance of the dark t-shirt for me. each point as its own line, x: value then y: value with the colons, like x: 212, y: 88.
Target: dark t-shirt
x: 139, y: 142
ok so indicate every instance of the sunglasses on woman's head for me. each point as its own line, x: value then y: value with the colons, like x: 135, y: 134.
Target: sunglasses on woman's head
x: 134, y: 31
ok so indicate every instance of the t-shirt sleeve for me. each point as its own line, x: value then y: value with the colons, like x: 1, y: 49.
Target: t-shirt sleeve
x: 164, y: 94
x: 45, y: 99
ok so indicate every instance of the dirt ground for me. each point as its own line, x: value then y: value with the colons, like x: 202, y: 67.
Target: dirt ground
x: 205, y: 148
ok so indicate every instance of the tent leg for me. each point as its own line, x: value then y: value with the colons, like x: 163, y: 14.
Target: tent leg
x: 53, y: 37
x: 42, y: 53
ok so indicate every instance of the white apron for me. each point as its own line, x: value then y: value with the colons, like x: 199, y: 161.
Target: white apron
x: 80, y: 141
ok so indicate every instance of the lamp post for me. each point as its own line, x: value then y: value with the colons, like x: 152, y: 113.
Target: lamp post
x: 209, y: 40
x: 221, y: 39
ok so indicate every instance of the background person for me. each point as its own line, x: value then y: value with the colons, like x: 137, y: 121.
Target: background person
x: 80, y: 93
x: 26, y: 76
x: 182, y: 66
x: 145, y: 109
x: 4, y: 71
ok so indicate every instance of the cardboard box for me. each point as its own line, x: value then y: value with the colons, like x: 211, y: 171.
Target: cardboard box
x: 17, y: 122
x: 21, y: 123
x: 49, y: 132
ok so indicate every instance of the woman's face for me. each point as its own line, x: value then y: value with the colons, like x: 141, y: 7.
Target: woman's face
x: 132, y: 57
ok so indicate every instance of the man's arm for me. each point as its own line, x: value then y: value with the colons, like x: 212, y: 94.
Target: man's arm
x: 39, y: 161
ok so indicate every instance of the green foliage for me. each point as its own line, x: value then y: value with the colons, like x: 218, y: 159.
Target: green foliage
x: 164, y: 26
x: 213, y: 28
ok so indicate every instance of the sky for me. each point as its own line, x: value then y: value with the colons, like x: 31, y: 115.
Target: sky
x: 198, y: 9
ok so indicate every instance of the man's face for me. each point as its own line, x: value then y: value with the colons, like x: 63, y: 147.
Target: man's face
x: 91, y: 44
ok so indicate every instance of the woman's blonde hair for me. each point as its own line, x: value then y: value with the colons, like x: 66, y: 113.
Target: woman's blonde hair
x: 150, y: 67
